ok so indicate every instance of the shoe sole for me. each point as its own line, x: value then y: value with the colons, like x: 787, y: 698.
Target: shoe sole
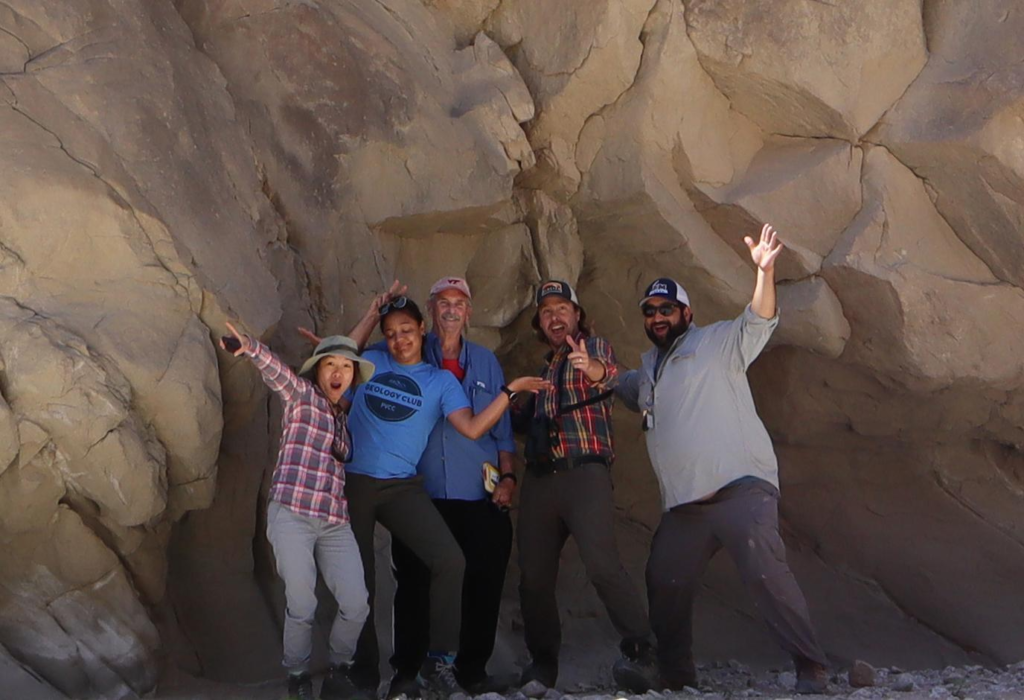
x: 632, y: 681
x: 810, y: 689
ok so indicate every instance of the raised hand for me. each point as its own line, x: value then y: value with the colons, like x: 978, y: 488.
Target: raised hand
x: 396, y: 290
x: 766, y: 250
x: 242, y: 338
x: 579, y: 357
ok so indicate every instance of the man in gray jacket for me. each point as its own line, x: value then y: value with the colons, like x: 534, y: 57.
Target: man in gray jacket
x: 717, y: 471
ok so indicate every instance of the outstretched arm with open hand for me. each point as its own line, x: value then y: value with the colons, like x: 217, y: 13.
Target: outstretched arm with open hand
x: 764, y: 252
x: 474, y: 426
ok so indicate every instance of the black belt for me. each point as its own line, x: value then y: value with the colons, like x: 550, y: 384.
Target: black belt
x: 564, y: 464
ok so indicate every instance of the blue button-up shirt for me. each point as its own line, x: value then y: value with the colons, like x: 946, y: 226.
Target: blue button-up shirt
x: 452, y: 465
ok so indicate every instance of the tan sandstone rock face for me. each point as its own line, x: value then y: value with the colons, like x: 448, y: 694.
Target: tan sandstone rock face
x: 810, y: 68
x: 577, y: 58
x: 367, y: 116
x: 169, y: 165
x: 128, y: 196
x: 959, y: 125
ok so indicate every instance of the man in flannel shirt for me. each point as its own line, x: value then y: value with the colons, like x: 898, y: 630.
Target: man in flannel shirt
x: 567, y: 490
x: 307, y: 515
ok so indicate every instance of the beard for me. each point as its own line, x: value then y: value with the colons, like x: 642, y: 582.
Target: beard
x: 674, y: 331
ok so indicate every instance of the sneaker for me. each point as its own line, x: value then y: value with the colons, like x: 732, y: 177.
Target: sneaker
x: 544, y: 673
x: 403, y: 685
x: 437, y: 676
x: 637, y: 669
x: 811, y: 678
x: 300, y: 686
x: 338, y: 685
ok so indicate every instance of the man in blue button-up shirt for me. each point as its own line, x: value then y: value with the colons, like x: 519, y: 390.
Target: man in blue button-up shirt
x: 453, y: 471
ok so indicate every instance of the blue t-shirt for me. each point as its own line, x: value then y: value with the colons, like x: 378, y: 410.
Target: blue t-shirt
x: 393, y: 414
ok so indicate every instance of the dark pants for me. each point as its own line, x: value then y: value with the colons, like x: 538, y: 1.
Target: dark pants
x: 552, y: 507
x: 485, y: 535
x: 744, y: 519
x: 403, y: 507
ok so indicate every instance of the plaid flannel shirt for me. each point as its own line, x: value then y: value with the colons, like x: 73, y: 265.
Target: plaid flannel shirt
x: 587, y: 430
x: 309, y: 478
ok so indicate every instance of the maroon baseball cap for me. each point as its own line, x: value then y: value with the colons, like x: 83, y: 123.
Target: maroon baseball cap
x: 456, y: 283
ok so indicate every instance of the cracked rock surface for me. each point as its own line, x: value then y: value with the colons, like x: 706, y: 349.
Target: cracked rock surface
x: 166, y: 165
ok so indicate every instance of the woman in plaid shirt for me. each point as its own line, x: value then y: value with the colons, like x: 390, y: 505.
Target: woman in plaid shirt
x: 392, y: 416
x: 307, y: 516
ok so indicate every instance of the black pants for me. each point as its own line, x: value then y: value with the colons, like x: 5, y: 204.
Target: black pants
x: 744, y: 519
x: 552, y: 507
x: 403, y: 507
x: 485, y: 535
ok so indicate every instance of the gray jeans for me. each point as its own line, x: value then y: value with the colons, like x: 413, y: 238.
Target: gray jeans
x: 301, y: 544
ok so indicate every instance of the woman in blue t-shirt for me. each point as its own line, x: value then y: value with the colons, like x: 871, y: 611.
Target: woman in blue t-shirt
x: 391, y: 418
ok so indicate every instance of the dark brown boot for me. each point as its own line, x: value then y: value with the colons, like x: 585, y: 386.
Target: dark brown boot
x: 811, y: 678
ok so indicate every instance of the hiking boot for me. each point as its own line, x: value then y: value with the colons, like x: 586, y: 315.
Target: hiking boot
x: 365, y: 677
x: 637, y: 669
x: 681, y: 675
x: 405, y: 685
x: 437, y: 676
x: 811, y: 678
x: 487, y: 684
x: 544, y: 673
x: 300, y: 686
x: 338, y: 685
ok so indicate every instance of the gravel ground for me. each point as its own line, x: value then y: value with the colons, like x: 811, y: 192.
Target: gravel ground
x: 718, y: 682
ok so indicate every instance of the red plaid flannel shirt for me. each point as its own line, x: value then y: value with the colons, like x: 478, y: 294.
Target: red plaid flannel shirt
x: 587, y: 430
x: 309, y: 478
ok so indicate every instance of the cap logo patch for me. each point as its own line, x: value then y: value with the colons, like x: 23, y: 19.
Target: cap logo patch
x: 658, y: 288
x: 551, y: 288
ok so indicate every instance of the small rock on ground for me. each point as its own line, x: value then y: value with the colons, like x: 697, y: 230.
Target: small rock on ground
x: 534, y: 689
x: 862, y: 675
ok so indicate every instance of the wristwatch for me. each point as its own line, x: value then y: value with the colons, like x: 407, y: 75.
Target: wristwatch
x: 509, y: 393
x: 509, y: 475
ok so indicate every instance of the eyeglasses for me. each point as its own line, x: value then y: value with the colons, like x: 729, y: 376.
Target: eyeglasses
x: 397, y: 303
x: 665, y: 310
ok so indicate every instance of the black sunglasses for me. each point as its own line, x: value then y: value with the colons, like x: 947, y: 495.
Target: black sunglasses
x: 665, y: 310
x: 397, y: 303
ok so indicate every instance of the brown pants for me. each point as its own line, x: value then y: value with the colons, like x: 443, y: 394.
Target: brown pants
x: 552, y: 507
x: 744, y: 519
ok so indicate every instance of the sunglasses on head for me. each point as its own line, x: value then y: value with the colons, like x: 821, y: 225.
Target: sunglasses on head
x: 665, y: 310
x: 397, y: 303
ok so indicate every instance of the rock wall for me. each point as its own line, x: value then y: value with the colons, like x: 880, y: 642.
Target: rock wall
x: 166, y: 165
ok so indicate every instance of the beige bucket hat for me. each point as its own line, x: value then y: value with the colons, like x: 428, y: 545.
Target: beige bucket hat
x: 342, y: 346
